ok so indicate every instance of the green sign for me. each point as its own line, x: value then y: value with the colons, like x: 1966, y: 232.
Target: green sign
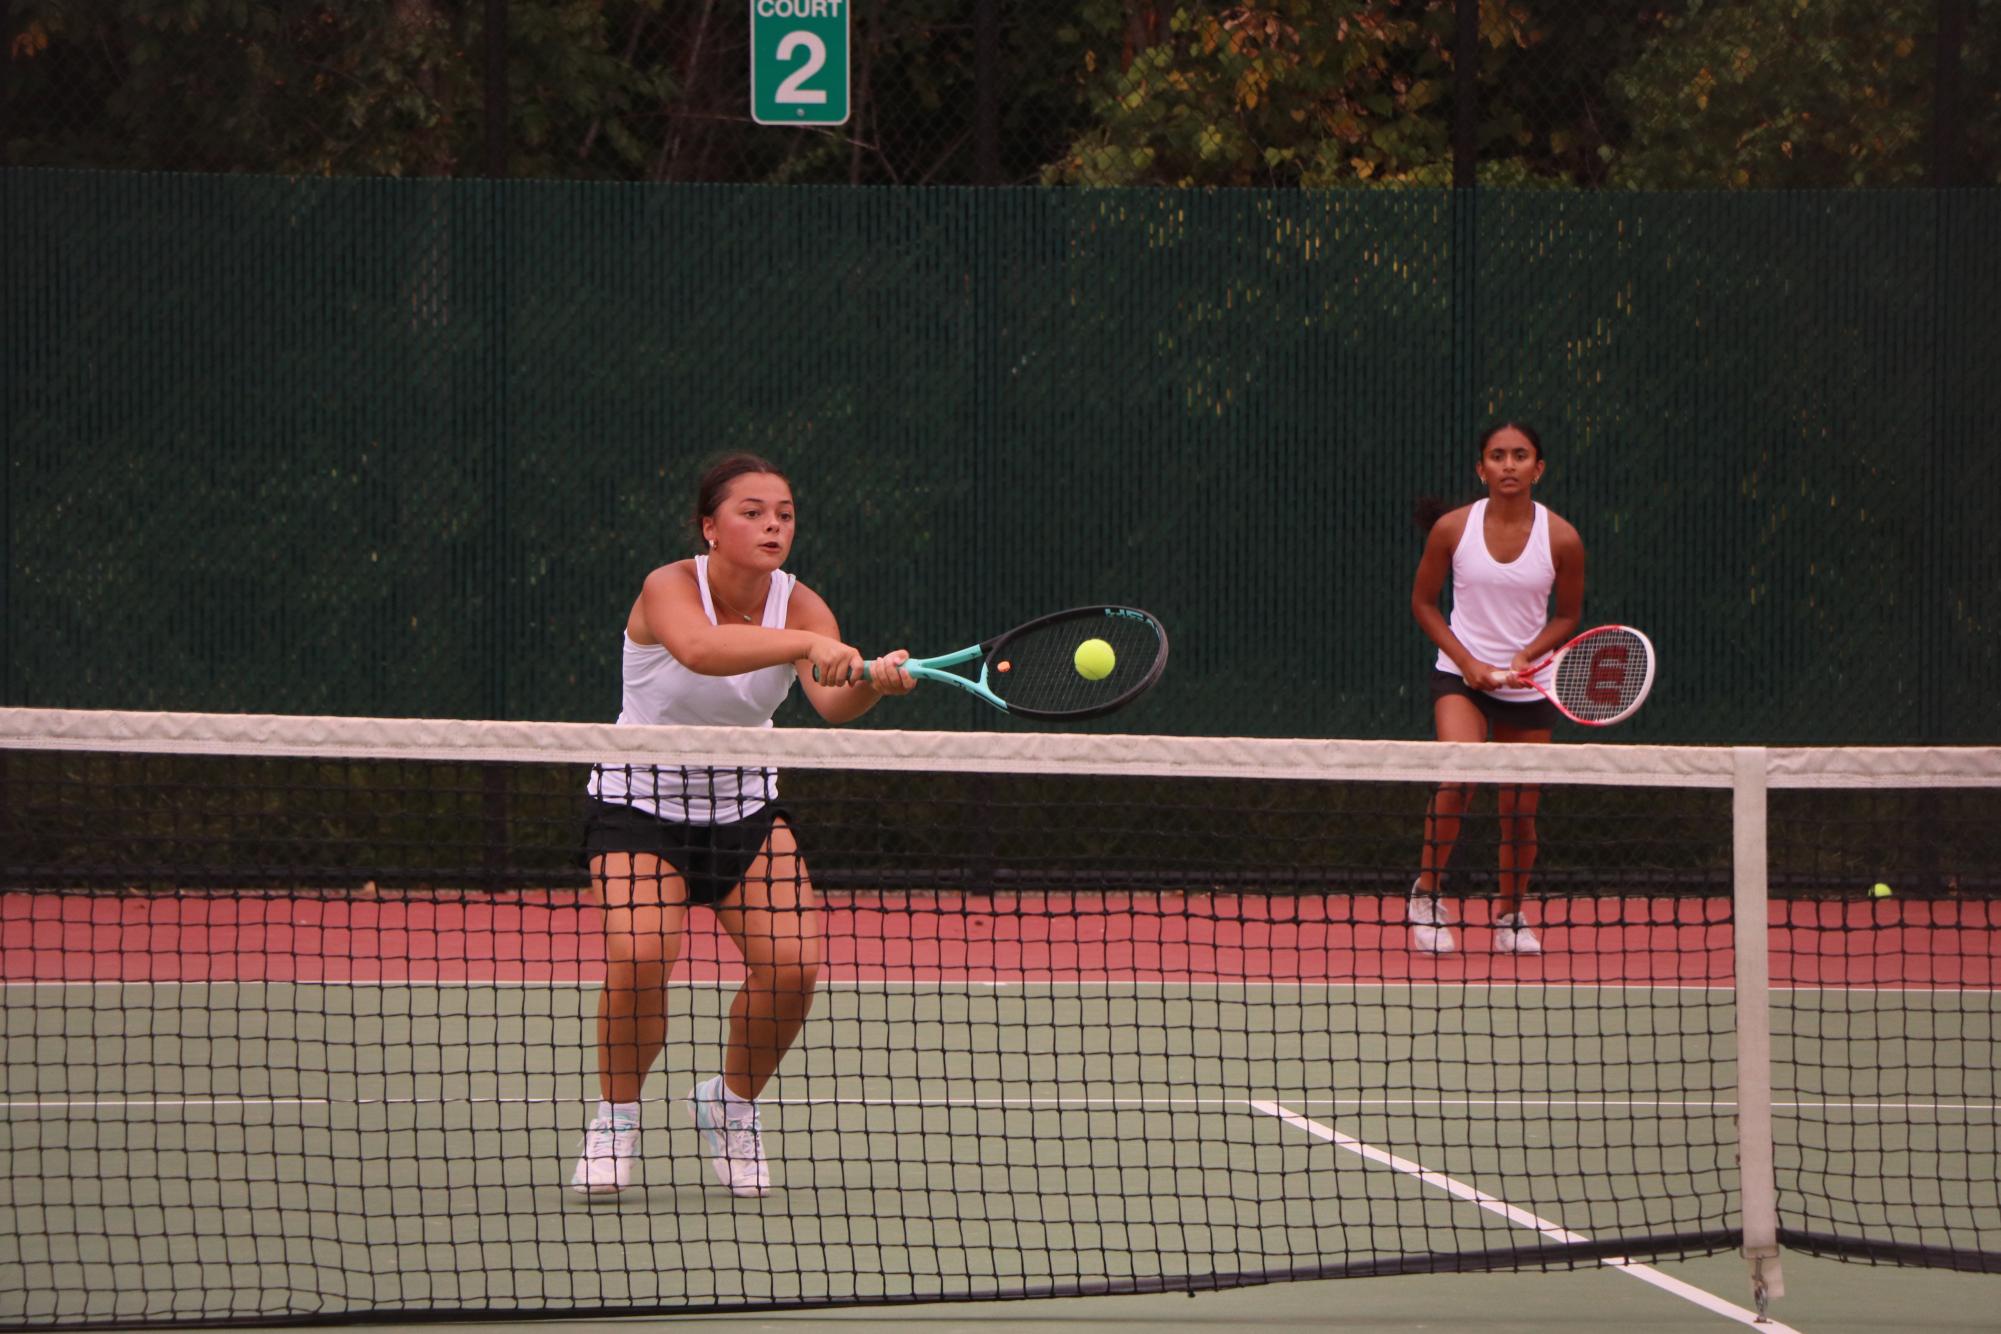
x: 799, y: 62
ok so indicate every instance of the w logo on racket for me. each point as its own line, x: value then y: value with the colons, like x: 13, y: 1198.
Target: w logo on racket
x: 1607, y: 682
x: 1599, y: 678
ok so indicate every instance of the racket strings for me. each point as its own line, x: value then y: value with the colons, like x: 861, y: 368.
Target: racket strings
x: 1602, y: 677
x: 1037, y: 669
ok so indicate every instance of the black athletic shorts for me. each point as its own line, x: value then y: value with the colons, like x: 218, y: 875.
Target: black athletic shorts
x: 711, y: 858
x: 1523, y: 715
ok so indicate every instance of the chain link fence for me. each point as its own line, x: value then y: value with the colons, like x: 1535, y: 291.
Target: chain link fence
x: 1647, y: 94
x: 408, y: 447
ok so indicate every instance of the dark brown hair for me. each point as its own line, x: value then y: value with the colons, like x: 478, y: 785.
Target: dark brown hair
x: 715, y: 484
x: 1430, y: 509
x: 1526, y: 432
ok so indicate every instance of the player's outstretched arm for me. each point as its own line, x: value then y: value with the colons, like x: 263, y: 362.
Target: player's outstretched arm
x: 670, y: 604
x: 840, y: 703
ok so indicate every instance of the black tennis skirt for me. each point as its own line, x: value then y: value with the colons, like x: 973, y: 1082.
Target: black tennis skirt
x: 712, y: 858
x: 1522, y: 714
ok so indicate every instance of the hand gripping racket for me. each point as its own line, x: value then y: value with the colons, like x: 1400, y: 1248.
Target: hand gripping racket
x: 1599, y: 678
x: 1032, y: 671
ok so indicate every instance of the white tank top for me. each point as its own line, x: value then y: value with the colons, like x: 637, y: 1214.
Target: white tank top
x: 1498, y: 609
x: 659, y: 689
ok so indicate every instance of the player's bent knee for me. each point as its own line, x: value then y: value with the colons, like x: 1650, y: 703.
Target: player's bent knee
x: 1452, y: 797
x: 792, y: 978
x: 640, y: 948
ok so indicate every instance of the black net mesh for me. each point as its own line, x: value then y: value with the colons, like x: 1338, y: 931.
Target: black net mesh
x: 324, y: 1034
x: 1884, y: 1027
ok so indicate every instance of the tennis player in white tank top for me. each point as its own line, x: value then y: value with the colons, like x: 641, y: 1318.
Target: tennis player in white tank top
x: 1506, y: 556
x: 716, y: 640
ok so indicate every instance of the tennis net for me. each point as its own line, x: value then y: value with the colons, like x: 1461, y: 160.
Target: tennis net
x: 302, y: 1018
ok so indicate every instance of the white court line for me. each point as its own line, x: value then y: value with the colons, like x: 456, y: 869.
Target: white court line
x: 1076, y: 983
x: 225, y: 1100
x: 220, y: 1101
x: 1037, y: 984
x: 1670, y: 1104
x: 1058, y: 1101
x: 917, y: 1101
x: 1709, y: 1301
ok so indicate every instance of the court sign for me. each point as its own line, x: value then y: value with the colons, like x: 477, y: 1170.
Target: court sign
x: 799, y: 62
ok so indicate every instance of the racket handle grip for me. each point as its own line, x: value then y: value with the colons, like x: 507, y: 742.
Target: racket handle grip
x: 865, y: 671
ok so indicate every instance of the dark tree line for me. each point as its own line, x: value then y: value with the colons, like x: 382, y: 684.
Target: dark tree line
x: 1657, y: 94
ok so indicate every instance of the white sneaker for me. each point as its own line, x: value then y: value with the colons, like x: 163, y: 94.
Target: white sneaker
x: 1430, y: 924
x: 735, y: 1148
x: 1512, y: 935
x: 604, y: 1166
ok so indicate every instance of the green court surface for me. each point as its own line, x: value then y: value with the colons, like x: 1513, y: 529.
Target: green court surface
x: 265, y: 1150
x: 1824, y: 1297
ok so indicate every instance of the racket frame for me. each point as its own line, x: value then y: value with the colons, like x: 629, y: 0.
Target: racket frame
x: 1553, y: 663
x: 989, y: 651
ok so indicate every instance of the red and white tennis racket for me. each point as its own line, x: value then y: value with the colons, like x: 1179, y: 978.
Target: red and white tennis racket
x: 1599, y: 678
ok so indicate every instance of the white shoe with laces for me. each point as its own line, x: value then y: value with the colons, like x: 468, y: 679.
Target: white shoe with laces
x: 604, y: 1165
x: 735, y: 1146
x: 1430, y: 924
x: 1513, y: 936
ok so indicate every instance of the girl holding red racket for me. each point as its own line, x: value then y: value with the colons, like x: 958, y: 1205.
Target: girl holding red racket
x: 1506, y: 555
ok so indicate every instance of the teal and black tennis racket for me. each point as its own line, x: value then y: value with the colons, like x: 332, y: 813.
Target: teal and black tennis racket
x: 1065, y: 666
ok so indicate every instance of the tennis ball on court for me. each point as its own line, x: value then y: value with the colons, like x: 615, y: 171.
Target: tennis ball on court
x: 1095, y: 660
x: 1879, y: 890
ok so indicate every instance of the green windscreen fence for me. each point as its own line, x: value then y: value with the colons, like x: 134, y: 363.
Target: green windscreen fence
x: 393, y: 448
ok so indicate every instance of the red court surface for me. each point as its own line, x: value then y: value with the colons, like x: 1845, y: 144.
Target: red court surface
x: 1119, y: 938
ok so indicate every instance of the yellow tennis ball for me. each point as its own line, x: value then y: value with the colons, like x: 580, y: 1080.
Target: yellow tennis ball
x: 1879, y: 890
x: 1095, y: 660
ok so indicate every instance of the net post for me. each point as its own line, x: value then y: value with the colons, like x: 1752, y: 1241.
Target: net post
x: 1754, y: 1025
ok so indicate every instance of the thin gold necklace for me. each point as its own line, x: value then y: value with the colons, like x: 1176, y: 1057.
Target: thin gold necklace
x: 728, y: 606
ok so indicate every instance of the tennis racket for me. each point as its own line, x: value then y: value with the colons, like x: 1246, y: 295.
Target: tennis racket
x: 1599, y: 678
x: 1032, y: 670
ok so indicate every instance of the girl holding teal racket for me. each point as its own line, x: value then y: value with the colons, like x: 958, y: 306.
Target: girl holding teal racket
x: 716, y: 640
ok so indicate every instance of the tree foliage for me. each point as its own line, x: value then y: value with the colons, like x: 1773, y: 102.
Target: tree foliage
x: 383, y: 87
x: 1291, y: 92
x: 1799, y: 93
x: 1311, y: 93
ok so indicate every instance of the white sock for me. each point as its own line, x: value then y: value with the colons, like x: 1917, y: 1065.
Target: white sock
x: 737, y: 1108
x: 628, y: 1112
